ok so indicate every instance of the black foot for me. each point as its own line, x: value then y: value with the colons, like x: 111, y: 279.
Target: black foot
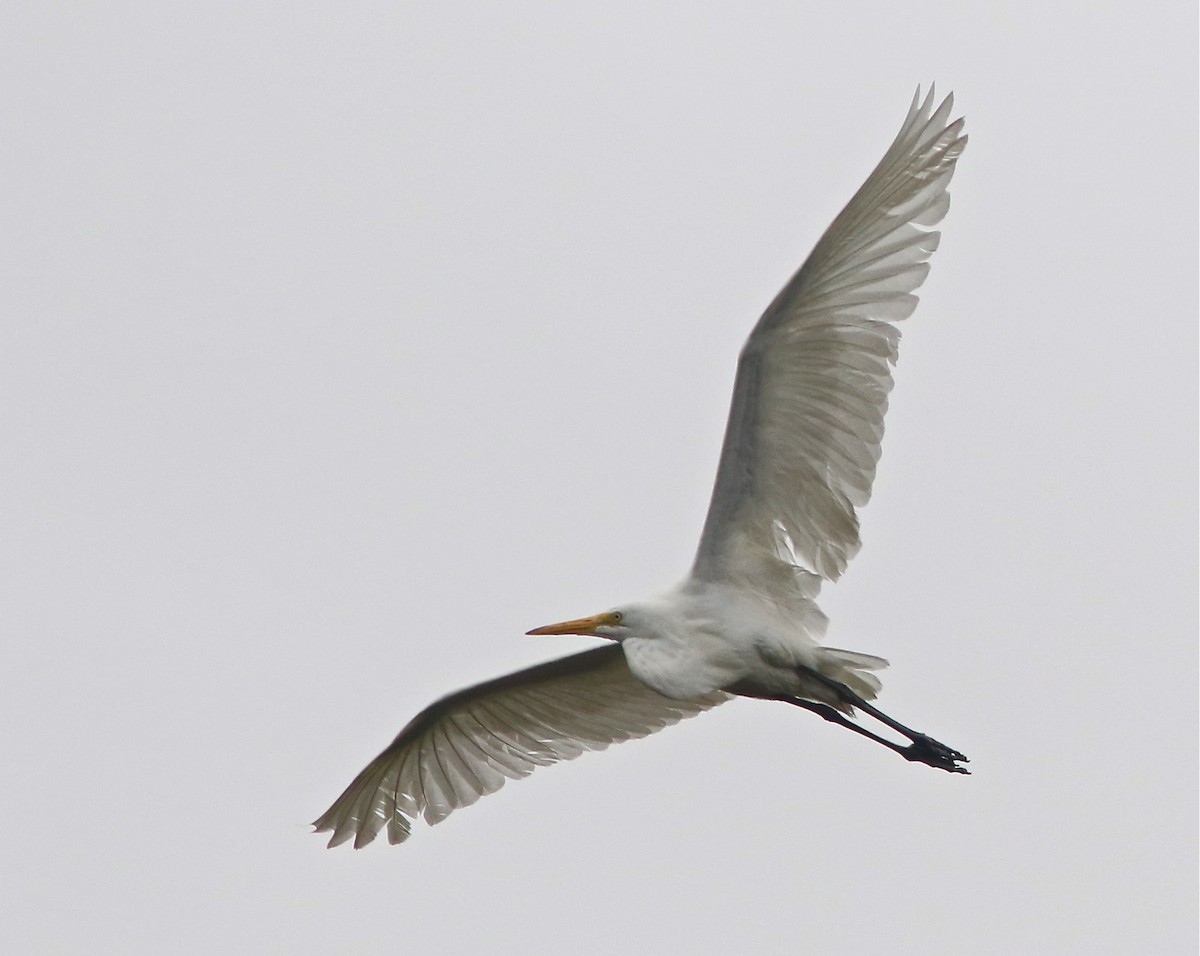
x: 929, y: 751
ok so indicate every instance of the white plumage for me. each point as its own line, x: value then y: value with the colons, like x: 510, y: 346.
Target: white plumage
x: 799, y: 458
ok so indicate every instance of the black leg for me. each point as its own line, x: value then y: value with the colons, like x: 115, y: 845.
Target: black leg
x: 836, y: 717
x: 923, y: 748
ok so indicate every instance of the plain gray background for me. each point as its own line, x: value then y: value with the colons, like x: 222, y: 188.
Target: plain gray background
x: 342, y: 343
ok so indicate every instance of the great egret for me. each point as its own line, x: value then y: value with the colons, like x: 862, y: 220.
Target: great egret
x: 799, y: 457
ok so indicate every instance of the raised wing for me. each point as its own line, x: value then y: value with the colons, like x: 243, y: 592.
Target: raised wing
x: 467, y: 744
x: 812, y: 383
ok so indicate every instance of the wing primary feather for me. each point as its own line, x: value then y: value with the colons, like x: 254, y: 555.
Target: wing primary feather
x: 550, y: 712
x: 806, y: 419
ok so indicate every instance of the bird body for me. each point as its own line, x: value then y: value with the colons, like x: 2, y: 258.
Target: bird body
x: 701, y: 637
x: 798, y: 460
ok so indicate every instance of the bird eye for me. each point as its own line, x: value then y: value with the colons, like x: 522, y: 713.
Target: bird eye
x: 616, y: 617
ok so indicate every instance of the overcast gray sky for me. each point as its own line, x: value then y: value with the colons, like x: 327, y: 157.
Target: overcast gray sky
x: 343, y: 343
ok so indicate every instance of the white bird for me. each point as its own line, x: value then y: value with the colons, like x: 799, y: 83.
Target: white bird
x: 799, y: 457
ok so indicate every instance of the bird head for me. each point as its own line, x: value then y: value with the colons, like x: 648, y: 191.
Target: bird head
x: 611, y: 625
